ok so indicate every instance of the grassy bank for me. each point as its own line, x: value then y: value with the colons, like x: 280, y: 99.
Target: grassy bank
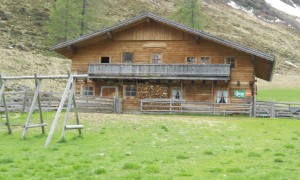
x: 156, y: 147
x: 279, y: 95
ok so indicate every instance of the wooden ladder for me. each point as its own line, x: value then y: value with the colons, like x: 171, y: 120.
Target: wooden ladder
x: 36, y: 97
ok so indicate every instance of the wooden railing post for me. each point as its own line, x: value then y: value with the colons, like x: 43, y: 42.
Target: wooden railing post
x: 273, y: 110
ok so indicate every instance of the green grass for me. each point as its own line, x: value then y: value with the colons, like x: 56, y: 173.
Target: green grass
x: 279, y: 95
x: 155, y: 147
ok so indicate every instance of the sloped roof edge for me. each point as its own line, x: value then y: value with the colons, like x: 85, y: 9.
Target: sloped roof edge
x: 170, y: 23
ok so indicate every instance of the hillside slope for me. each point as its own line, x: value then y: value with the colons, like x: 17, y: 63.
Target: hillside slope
x: 22, y: 29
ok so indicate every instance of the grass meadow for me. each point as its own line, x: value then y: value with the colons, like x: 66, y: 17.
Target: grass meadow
x: 279, y: 94
x: 155, y: 147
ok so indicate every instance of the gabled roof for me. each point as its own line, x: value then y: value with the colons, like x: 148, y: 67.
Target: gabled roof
x: 270, y: 58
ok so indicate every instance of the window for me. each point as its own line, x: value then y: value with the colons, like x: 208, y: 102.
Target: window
x: 130, y: 91
x: 87, y: 90
x: 128, y: 57
x: 191, y: 60
x: 156, y: 58
x: 204, y: 60
x: 222, y: 97
x: 231, y: 61
x: 176, y: 93
x: 105, y: 59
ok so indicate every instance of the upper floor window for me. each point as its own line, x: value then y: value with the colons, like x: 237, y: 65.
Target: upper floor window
x: 204, y: 60
x: 87, y: 91
x: 130, y: 91
x: 156, y: 58
x: 191, y: 60
x: 128, y: 57
x: 231, y: 61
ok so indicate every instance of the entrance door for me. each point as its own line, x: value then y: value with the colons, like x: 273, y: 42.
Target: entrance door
x: 109, y: 91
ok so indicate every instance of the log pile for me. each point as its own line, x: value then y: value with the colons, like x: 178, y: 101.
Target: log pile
x: 147, y: 91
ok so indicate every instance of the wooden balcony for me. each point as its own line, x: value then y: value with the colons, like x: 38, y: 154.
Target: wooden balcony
x: 160, y: 71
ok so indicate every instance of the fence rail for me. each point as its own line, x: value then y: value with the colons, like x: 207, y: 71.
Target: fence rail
x: 21, y: 101
x: 181, y: 106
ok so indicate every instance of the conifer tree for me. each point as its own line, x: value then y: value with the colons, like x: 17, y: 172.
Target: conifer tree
x: 188, y: 12
x: 65, y: 19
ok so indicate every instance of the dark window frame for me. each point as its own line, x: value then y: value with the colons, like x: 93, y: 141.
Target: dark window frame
x: 128, y: 57
x: 231, y: 61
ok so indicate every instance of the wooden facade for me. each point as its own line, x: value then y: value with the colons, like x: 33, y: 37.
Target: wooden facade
x: 150, y: 57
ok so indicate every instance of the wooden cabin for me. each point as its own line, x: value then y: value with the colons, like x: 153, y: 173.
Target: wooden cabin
x: 150, y: 59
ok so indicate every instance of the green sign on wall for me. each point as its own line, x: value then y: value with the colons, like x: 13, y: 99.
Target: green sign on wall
x: 239, y: 93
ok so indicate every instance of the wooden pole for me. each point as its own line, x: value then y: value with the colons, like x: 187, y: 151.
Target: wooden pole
x: 2, y: 83
x: 39, y: 103
x: 62, y: 101
x: 74, y: 104
x: 33, y: 102
x: 67, y: 112
x: 44, y: 77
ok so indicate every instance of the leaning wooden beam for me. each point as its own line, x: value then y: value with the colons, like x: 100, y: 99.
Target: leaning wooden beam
x: 2, y: 83
x: 35, y: 96
x: 45, y: 77
x: 62, y: 101
x: 39, y: 103
x: 68, y: 111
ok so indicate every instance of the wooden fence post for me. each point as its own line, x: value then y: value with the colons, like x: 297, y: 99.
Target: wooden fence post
x: 273, y: 111
x: 39, y: 103
x: 2, y: 83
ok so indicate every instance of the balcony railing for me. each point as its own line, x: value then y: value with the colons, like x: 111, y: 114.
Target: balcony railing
x: 161, y: 71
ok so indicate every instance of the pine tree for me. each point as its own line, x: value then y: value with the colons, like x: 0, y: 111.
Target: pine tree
x: 189, y: 13
x: 65, y: 19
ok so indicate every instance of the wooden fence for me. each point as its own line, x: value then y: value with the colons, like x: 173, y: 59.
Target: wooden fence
x: 21, y: 101
x: 277, y: 109
x: 181, y: 106
x: 262, y: 109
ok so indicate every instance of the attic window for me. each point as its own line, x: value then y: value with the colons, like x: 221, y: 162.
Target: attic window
x: 191, y: 60
x: 128, y: 57
x: 156, y: 58
x: 204, y: 60
x: 231, y: 61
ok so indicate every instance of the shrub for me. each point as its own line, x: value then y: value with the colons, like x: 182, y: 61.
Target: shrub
x: 182, y: 156
x: 152, y: 169
x: 289, y: 146
x: 131, y: 166
x: 235, y: 170
x: 277, y: 160
x: 208, y: 153
x: 6, y: 161
x: 100, y: 171
x: 253, y: 154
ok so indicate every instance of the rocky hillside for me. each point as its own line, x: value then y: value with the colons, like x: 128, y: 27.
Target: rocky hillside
x: 252, y: 23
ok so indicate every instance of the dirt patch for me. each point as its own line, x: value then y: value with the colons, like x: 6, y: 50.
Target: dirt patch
x: 280, y: 81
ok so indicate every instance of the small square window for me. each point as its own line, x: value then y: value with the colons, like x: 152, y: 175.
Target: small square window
x: 231, y: 61
x: 176, y: 93
x: 204, y: 60
x: 130, y: 91
x: 191, y: 60
x: 128, y: 57
x: 156, y: 58
x: 88, y: 91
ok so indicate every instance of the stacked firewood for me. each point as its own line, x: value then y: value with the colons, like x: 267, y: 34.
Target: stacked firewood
x: 147, y: 91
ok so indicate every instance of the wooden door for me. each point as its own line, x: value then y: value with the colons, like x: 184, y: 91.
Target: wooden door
x: 109, y: 91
